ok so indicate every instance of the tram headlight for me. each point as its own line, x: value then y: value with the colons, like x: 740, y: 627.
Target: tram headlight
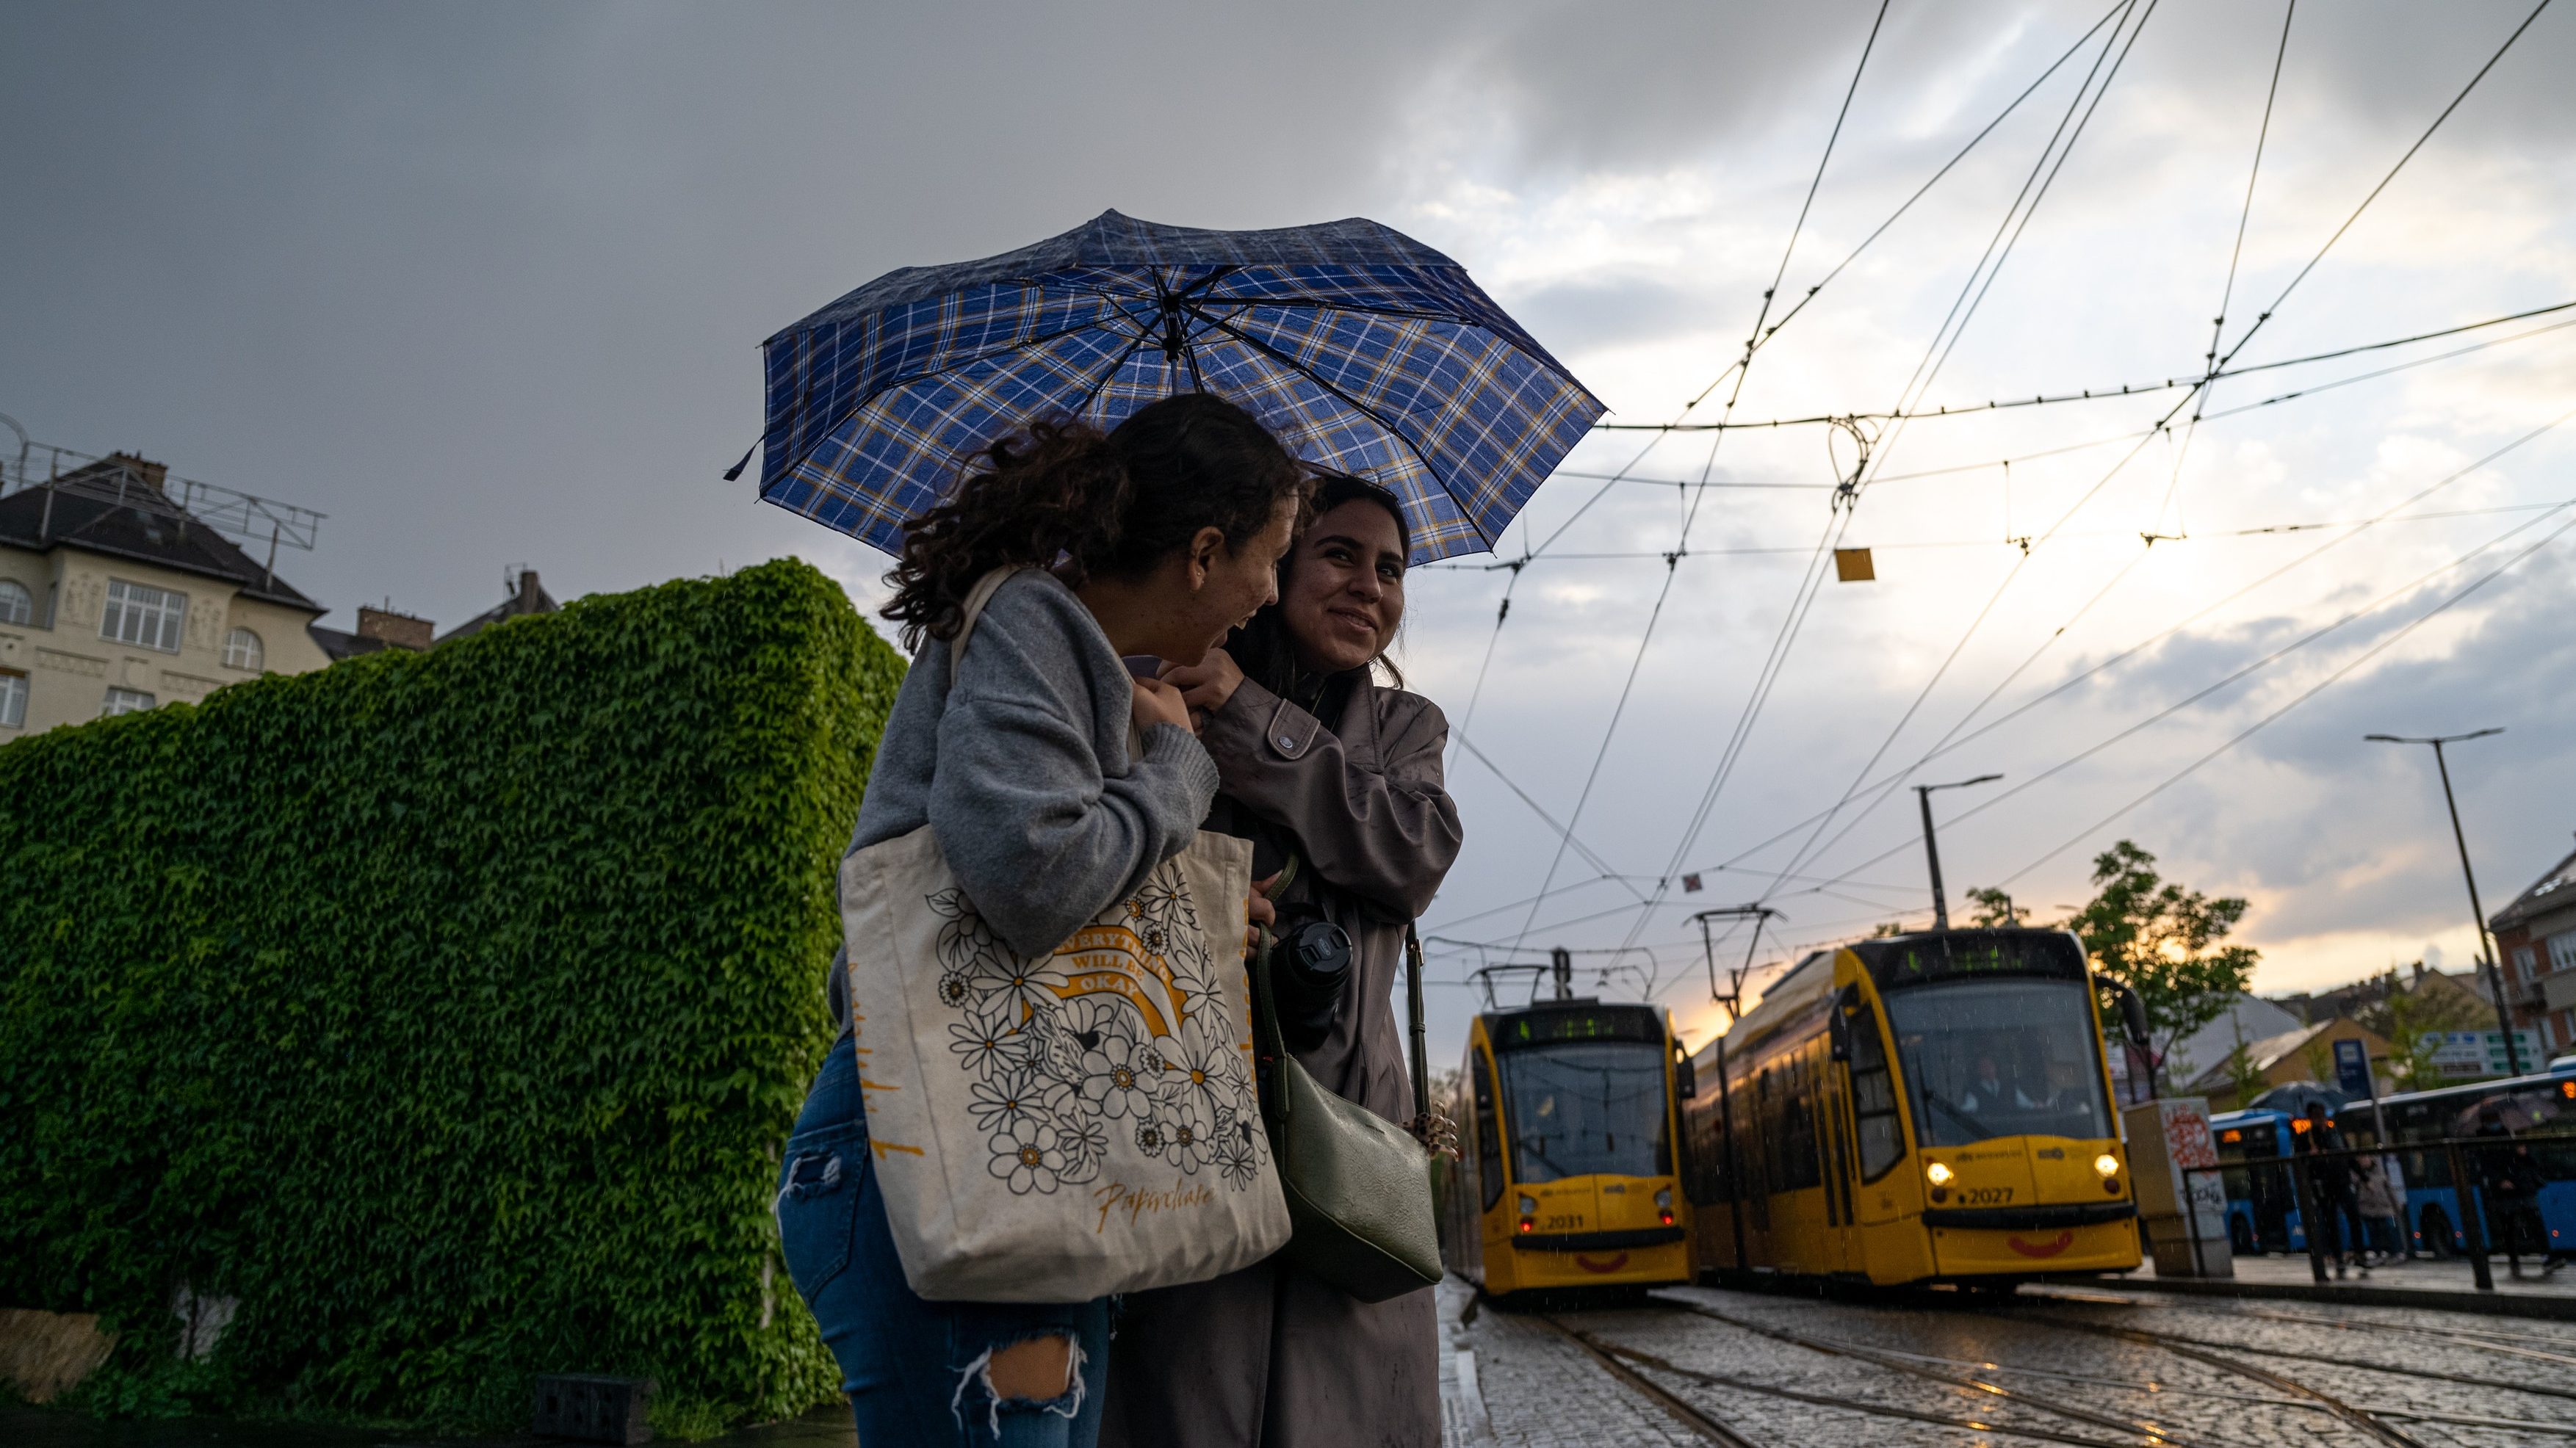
x: 1938, y: 1174
x: 2107, y: 1164
x: 1529, y: 1206
x: 1664, y: 1197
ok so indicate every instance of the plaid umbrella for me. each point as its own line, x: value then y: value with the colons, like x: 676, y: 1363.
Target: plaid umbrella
x: 1365, y: 352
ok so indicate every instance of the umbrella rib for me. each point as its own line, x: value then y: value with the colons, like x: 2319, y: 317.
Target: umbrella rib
x: 1111, y: 371
x: 1356, y: 405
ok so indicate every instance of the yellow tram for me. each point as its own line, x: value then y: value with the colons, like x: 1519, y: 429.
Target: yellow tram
x: 1922, y: 1107
x: 1566, y: 1175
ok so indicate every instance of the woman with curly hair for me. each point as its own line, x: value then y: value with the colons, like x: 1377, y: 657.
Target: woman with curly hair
x: 1336, y: 780
x: 1153, y: 539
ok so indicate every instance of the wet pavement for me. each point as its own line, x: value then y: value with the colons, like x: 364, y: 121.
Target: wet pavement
x: 2110, y: 1366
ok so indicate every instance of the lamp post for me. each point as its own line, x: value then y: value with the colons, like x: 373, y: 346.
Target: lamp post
x: 1932, y: 851
x: 2486, y: 942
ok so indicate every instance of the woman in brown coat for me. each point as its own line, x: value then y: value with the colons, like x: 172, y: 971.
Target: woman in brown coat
x: 1318, y: 761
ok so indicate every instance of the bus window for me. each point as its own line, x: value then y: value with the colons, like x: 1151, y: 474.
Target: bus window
x: 2000, y: 1057
x: 1489, y: 1139
x: 1583, y: 1107
x: 1882, y: 1138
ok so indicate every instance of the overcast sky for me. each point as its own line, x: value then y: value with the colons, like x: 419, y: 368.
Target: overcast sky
x: 485, y: 283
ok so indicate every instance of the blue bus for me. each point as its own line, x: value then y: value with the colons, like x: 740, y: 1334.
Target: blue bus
x: 2262, y: 1203
x: 2541, y: 1107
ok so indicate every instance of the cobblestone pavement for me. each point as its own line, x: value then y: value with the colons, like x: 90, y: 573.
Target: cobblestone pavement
x: 2053, y: 1365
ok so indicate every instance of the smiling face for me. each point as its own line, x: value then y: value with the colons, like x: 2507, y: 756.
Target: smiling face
x: 1344, y: 593
x: 1226, y: 586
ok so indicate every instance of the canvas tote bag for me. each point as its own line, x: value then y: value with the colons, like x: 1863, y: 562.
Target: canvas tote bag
x: 1060, y: 1127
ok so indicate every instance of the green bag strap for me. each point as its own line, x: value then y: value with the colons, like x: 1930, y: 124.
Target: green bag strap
x: 1269, y: 1048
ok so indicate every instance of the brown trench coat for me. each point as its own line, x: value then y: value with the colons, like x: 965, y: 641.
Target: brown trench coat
x: 1269, y: 1355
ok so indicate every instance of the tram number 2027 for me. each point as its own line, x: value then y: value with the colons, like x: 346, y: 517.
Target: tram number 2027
x: 1985, y: 1196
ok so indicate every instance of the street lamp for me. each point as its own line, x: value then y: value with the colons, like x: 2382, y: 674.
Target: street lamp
x: 1932, y: 851
x: 2486, y: 942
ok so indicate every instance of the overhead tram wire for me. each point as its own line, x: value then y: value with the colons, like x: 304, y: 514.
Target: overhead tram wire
x: 1763, y: 338
x: 2318, y: 688
x: 2393, y: 512
x: 1962, y: 320
x: 2247, y: 336
x: 1811, y: 848
x: 2240, y: 674
x: 1838, y: 525
x: 1743, y: 369
x: 2090, y: 394
x: 2227, y: 292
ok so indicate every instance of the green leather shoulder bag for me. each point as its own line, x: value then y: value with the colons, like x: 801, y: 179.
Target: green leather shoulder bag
x: 1358, y: 1185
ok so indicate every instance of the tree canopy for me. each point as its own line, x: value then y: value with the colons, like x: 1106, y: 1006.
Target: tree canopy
x: 2161, y: 940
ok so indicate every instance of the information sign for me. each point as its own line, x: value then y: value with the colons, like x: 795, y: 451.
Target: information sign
x: 2476, y: 1055
x: 2352, y: 1068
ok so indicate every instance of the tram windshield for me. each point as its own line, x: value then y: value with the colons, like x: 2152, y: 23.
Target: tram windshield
x: 1576, y: 1108
x: 1999, y: 1057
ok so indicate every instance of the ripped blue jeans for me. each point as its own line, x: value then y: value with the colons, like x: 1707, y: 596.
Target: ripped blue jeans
x: 915, y: 1371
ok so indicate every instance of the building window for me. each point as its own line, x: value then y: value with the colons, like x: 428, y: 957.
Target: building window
x: 125, y: 701
x: 17, y: 605
x: 13, y: 699
x: 241, y: 650
x: 2562, y: 951
x: 2523, y: 963
x: 150, y: 617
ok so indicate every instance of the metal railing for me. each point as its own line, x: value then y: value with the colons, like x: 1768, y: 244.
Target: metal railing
x: 2467, y: 1190
x: 246, y: 517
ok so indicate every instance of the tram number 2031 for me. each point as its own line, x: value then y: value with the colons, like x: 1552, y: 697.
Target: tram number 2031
x: 1562, y: 1224
x: 1985, y: 1196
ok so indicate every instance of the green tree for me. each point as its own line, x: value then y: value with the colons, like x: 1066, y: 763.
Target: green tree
x: 1993, y: 908
x: 2163, y: 941
x: 2243, y: 1077
x: 2413, y: 1023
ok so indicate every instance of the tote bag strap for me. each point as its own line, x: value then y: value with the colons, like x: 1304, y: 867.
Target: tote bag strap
x: 1413, y: 1022
x: 976, y: 597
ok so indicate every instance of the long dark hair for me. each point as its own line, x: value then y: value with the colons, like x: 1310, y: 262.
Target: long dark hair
x: 1262, y: 648
x: 1069, y: 497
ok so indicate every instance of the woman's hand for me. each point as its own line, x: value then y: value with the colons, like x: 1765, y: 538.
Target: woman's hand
x: 1206, y: 685
x: 1155, y: 702
x: 1258, y: 913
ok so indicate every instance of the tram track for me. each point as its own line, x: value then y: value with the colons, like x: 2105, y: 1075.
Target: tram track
x: 2198, y: 1351
x: 1968, y: 1381
x: 2205, y: 1349
x: 2506, y: 1344
x: 1624, y: 1362
x: 1638, y: 1370
x: 1688, y: 1414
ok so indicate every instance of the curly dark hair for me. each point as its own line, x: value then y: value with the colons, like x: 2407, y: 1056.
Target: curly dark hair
x: 1064, y: 495
x: 1262, y: 648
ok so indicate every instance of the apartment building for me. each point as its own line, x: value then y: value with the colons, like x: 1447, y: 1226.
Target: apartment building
x: 115, y: 597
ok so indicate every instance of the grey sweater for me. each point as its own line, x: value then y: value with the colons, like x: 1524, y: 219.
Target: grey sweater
x: 1018, y: 762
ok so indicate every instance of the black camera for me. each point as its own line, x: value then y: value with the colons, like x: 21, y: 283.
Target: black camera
x: 1310, y: 965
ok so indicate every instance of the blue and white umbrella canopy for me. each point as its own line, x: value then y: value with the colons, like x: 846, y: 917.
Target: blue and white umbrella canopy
x: 1364, y: 350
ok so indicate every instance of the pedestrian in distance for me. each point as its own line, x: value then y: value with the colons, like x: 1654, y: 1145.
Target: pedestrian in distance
x: 2330, y: 1189
x: 2509, y: 1177
x: 1155, y: 538
x: 1336, y: 779
x: 2380, y: 1208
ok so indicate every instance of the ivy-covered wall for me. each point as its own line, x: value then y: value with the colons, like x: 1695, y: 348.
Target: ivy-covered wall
x: 446, y: 1009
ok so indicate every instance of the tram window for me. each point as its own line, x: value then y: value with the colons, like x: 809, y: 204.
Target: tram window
x: 1584, y: 1107
x: 1882, y: 1137
x: 1988, y: 1058
x: 1489, y: 1138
